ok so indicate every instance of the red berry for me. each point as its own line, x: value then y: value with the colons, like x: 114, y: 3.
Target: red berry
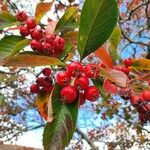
x: 91, y: 70
x: 47, y: 72
x: 125, y: 70
x: 63, y: 78
x: 34, y: 88
x: 50, y: 38
x: 48, y: 89
x: 36, y: 46
x: 21, y: 16
x: 48, y: 81
x: 24, y: 31
x: 82, y: 98
x: 146, y: 95
x: 40, y: 81
x: 117, y: 68
x: 31, y: 24
x: 69, y: 94
x: 37, y: 34
x: 81, y: 83
x: 128, y: 62
x: 75, y: 69
x: 59, y: 43
x: 48, y: 49
x: 92, y: 93
x: 135, y: 100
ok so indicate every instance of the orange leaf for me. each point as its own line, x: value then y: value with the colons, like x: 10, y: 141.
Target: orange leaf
x: 104, y: 57
x: 28, y: 60
x: 42, y: 104
x: 116, y: 76
x: 141, y: 64
x: 71, y: 37
x: 41, y: 10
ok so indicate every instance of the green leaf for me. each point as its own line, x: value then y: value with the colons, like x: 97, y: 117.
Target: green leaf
x: 6, y: 16
x: 7, y: 20
x: 68, y: 48
x: 115, y: 37
x: 11, y: 45
x: 41, y: 10
x: 31, y: 60
x: 99, y: 84
x: 113, y: 43
x: 67, y: 19
x: 98, y: 19
x: 59, y: 132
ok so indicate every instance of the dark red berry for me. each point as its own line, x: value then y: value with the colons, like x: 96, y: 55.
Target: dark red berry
x: 48, y: 49
x: 34, y: 88
x: 59, y: 43
x: 143, y: 118
x: 91, y: 70
x: 81, y: 83
x: 50, y: 38
x: 31, y: 24
x: 48, y: 89
x: 75, y: 69
x: 125, y: 70
x: 40, y: 81
x: 69, y: 94
x: 128, y: 62
x: 37, y: 34
x: 21, y: 16
x: 92, y: 93
x: 82, y: 98
x: 48, y: 81
x: 36, y: 46
x: 146, y: 95
x: 24, y: 31
x: 63, y: 78
x: 47, y: 72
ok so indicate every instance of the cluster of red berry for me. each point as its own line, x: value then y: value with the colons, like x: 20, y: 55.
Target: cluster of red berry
x: 142, y: 104
x: 125, y: 69
x: 44, y: 84
x: 75, y: 82
x: 50, y: 44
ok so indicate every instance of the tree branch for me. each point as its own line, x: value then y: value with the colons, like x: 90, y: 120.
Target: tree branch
x: 93, y: 147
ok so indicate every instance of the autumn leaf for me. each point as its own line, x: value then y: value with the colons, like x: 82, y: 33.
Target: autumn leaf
x: 104, y: 57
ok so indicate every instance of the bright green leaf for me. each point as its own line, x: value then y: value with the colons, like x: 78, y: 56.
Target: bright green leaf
x: 41, y: 9
x: 59, y: 132
x: 98, y: 19
x: 31, y: 60
x: 66, y: 20
x: 11, y: 45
